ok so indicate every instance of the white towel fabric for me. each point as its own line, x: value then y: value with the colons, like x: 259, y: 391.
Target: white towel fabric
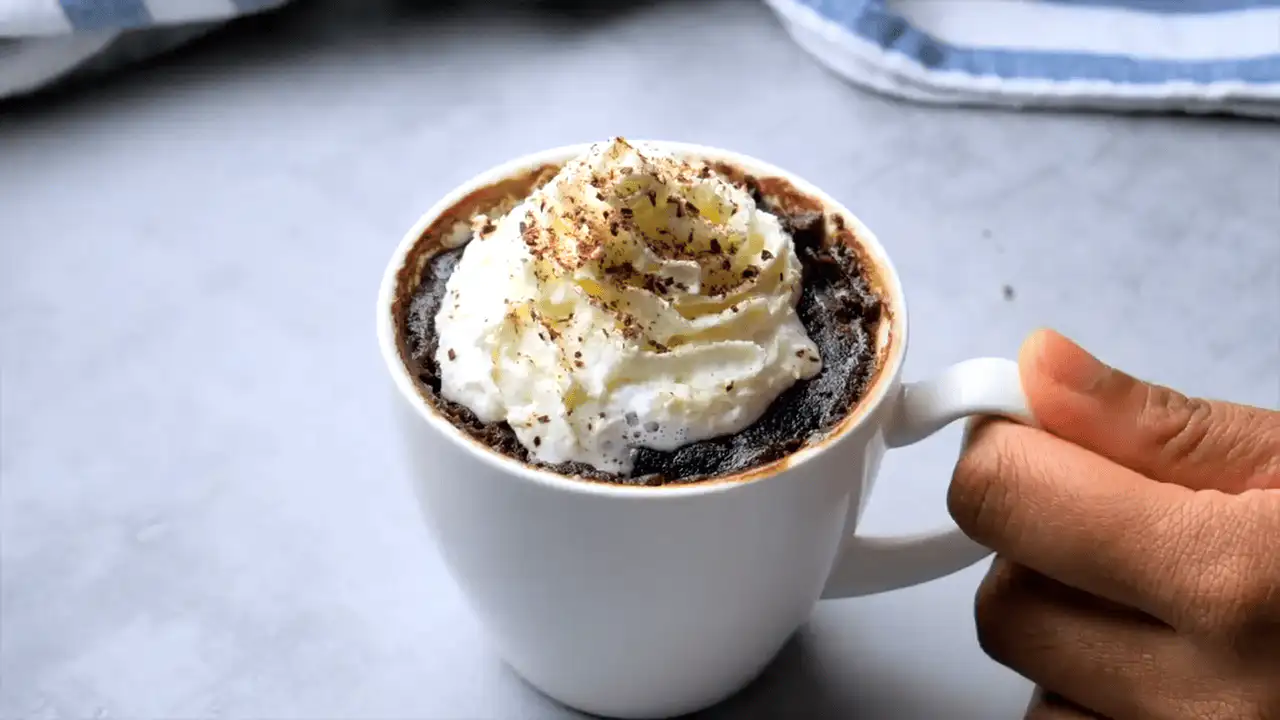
x: 1155, y: 55
x: 44, y: 40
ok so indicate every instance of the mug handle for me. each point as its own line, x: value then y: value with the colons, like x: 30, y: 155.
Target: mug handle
x: 868, y: 564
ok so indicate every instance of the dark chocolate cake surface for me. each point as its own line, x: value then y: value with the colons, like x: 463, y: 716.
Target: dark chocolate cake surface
x: 838, y: 306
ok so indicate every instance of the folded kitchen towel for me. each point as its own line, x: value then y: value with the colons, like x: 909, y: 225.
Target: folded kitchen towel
x: 1218, y: 56
x: 42, y: 41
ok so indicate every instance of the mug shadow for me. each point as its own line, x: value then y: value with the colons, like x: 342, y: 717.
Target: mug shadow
x: 807, y: 683
x: 793, y: 685
x: 800, y: 683
x: 797, y: 685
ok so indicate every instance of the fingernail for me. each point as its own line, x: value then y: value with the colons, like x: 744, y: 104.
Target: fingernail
x: 1066, y: 362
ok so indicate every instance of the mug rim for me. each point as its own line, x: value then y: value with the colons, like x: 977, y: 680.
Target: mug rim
x: 882, y: 381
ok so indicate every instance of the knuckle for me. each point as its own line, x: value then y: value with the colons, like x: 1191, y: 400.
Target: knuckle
x: 1228, y: 618
x: 994, y: 605
x: 981, y: 495
x: 1255, y: 613
x: 1020, y: 620
x: 1236, y: 598
x: 1177, y: 425
x: 1255, y: 445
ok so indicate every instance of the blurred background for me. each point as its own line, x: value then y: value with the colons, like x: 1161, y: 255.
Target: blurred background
x: 203, y: 512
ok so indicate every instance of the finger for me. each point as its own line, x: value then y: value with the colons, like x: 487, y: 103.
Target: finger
x: 1155, y: 431
x: 1203, y: 562
x: 1100, y: 656
x: 1048, y: 706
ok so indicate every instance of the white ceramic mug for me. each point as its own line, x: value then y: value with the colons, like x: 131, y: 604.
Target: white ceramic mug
x: 648, y: 602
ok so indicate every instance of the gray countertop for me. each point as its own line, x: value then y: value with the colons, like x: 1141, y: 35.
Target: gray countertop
x: 204, y: 513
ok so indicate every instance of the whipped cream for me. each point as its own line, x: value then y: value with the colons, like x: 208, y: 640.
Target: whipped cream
x: 635, y: 300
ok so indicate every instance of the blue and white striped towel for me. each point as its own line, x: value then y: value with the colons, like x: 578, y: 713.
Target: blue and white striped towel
x: 1192, y: 55
x: 1180, y: 55
x: 42, y: 41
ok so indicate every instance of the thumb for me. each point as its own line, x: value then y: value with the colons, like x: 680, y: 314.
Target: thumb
x: 1158, y: 432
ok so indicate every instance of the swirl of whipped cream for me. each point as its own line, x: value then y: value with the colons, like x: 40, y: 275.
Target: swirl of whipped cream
x: 635, y: 300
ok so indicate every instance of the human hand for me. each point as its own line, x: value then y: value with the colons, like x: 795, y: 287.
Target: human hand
x: 1137, y: 539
